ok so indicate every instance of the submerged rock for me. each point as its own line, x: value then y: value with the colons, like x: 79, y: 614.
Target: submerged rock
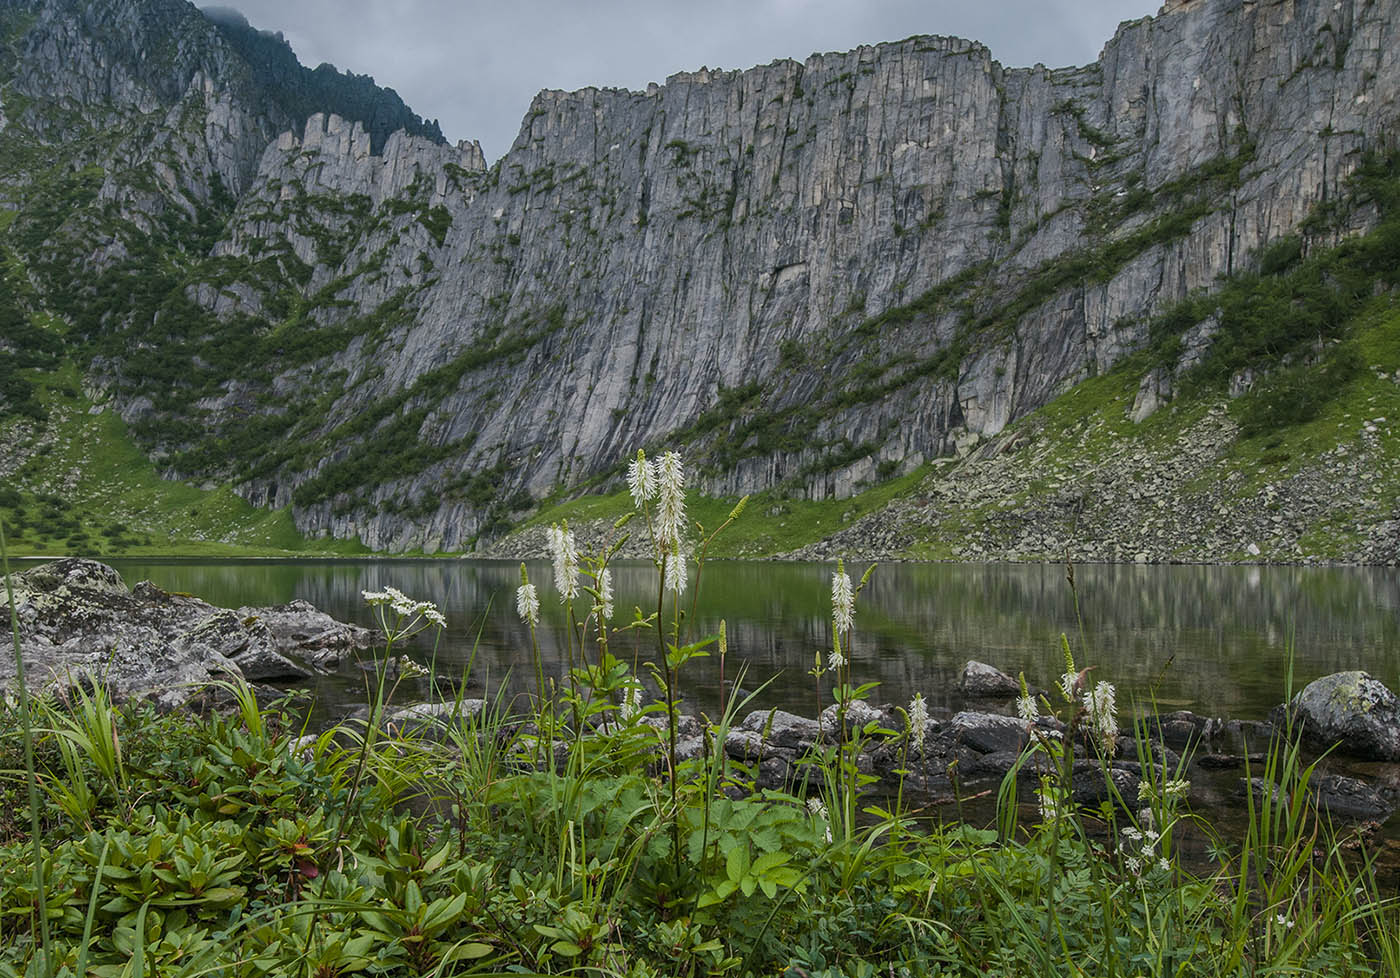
x: 1183, y: 729
x: 79, y: 624
x: 1349, y: 798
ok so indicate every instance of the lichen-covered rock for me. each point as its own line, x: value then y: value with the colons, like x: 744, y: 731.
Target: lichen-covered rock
x: 79, y: 623
x: 858, y: 716
x: 1353, y: 712
x: 312, y: 634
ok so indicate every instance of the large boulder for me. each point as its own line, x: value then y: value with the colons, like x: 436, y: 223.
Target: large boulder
x: 1353, y: 712
x: 80, y: 624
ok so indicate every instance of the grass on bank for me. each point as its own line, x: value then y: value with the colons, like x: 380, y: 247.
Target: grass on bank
x: 773, y: 522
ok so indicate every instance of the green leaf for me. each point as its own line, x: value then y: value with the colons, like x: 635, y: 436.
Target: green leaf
x: 736, y: 864
x: 768, y: 861
x: 468, y: 952
x: 224, y: 894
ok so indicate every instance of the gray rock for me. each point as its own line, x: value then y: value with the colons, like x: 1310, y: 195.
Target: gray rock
x: 301, y: 627
x: 744, y: 745
x: 437, y: 713
x: 80, y: 624
x: 1352, y: 711
x: 997, y: 764
x: 783, y: 729
x: 1349, y: 798
x: 981, y: 681
x: 1090, y: 786
x: 690, y: 748
x: 687, y: 725
x: 989, y: 733
x: 859, y: 715
x: 1263, y: 790
x: 245, y: 641
x: 1183, y: 729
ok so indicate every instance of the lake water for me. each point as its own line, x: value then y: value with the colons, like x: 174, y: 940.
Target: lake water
x: 1216, y: 640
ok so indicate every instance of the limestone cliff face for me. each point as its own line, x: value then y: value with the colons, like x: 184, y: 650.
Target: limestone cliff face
x: 814, y: 274
x: 733, y: 231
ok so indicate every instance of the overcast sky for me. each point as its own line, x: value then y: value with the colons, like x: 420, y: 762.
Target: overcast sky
x: 475, y: 64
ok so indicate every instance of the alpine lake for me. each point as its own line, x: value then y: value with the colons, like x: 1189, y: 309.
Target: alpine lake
x: 1222, y: 641
x: 1217, y: 640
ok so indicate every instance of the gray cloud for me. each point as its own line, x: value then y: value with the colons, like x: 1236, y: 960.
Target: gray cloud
x: 475, y: 66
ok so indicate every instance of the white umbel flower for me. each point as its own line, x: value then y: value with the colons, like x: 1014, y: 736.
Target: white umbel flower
x: 641, y: 480
x: 669, y: 475
x: 411, y: 616
x: 835, y: 660
x: 843, y: 600
x: 564, y: 553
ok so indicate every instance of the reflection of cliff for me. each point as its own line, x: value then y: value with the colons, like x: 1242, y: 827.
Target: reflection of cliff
x: 1210, y: 638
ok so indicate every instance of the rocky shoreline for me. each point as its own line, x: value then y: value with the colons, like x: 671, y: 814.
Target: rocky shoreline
x: 1350, y: 717
x: 80, y: 624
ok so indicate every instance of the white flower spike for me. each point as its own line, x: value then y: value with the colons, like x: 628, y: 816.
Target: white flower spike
x: 843, y: 600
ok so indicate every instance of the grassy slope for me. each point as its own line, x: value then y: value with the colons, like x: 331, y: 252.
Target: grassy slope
x: 1073, y: 442
x: 96, y: 480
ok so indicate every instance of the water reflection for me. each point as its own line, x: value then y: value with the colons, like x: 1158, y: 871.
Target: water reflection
x: 1212, y: 639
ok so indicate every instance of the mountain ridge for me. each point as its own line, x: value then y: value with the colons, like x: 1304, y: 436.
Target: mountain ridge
x: 815, y: 276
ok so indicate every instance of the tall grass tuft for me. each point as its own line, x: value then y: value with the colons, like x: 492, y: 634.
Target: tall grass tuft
x: 45, y: 962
